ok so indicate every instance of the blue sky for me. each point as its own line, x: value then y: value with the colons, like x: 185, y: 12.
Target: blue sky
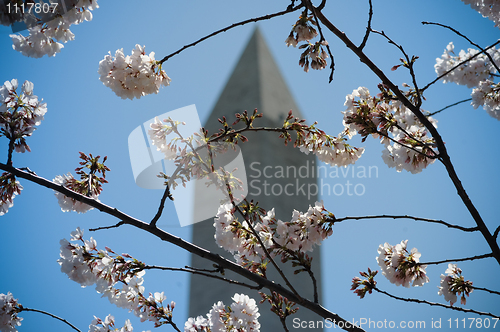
x: 83, y: 115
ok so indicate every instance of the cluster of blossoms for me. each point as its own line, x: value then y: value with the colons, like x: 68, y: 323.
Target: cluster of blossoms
x: 487, y: 94
x: 401, y: 267
x: 86, y: 265
x: 192, y: 155
x: 242, y: 315
x: 303, y: 30
x: 132, y: 76
x: 19, y: 113
x: 52, y: 28
x: 8, y: 313
x: 108, y: 325
x: 476, y: 73
x: 89, y: 184
x: 9, y: 188
x: 289, y: 239
x: 368, y: 284
x: 487, y: 8
x: 453, y: 284
x: 331, y: 150
x: 382, y: 116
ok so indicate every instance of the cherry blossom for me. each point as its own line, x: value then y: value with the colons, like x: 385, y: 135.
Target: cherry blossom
x: 8, y: 313
x: 302, y: 30
x: 132, y: 76
x: 315, y: 55
x: 19, y: 113
x: 487, y: 8
x: 9, y: 188
x: 487, y: 94
x: 401, y: 267
x: 290, y: 239
x: 407, y: 143
x: 48, y: 32
x: 242, y: 315
x: 67, y: 203
x: 470, y: 73
x: 454, y: 283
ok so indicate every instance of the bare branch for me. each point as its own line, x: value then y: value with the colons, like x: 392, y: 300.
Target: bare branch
x: 454, y: 104
x: 386, y: 216
x: 485, y: 289
x: 436, y: 304
x: 457, y: 259
x: 368, y: 26
x: 465, y: 37
x: 51, y: 315
x: 257, y: 19
x: 166, y: 194
x: 195, y: 271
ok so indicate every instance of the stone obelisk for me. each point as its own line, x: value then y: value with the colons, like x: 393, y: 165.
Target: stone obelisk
x: 277, y: 176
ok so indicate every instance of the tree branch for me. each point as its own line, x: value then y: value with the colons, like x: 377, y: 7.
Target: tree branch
x: 386, y: 216
x: 454, y: 104
x: 368, y: 26
x: 465, y: 37
x: 51, y: 315
x: 257, y: 19
x: 177, y: 241
x: 436, y: 304
x: 194, y: 271
x: 457, y: 259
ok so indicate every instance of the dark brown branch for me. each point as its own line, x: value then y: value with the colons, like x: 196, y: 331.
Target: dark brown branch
x: 368, y: 26
x: 454, y: 104
x: 166, y: 194
x: 443, y: 153
x: 465, y: 37
x: 457, y: 259
x: 257, y: 19
x: 409, y: 63
x: 436, y: 304
x: 485, y: 289
x: 459, y: 64
x: 495, y: 235
x: 179, y: 242
x: 194, y: 271
x: 51, y: 315
x: 332, y: 65
x: 386, y: 216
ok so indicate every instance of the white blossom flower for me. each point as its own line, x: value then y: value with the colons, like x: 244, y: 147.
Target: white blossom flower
x: 67, y: 203
x: 454, y: 283
x: 487, y: 8
x: 132, y: 76
x: 51, y: 30
x: 487, y: 94
x: 9, y: 321
x: 401, y: 267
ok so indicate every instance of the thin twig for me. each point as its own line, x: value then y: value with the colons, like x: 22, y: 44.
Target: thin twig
x: 495, y: 234
x: 368, y: 27
x: 386, y: 216
x: 410, y: 65
x: 485, y: 289
x: 459, y: 64
x: 465, y: 37
x: 457, y: 259
x: 179, y: 242
x: 436, y: 304
x: 106, y: 227
x: 51, y: 315
x: 257, y: 19
x: 454, y: 104
x: 332, y: 65
x: 194, y: 271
